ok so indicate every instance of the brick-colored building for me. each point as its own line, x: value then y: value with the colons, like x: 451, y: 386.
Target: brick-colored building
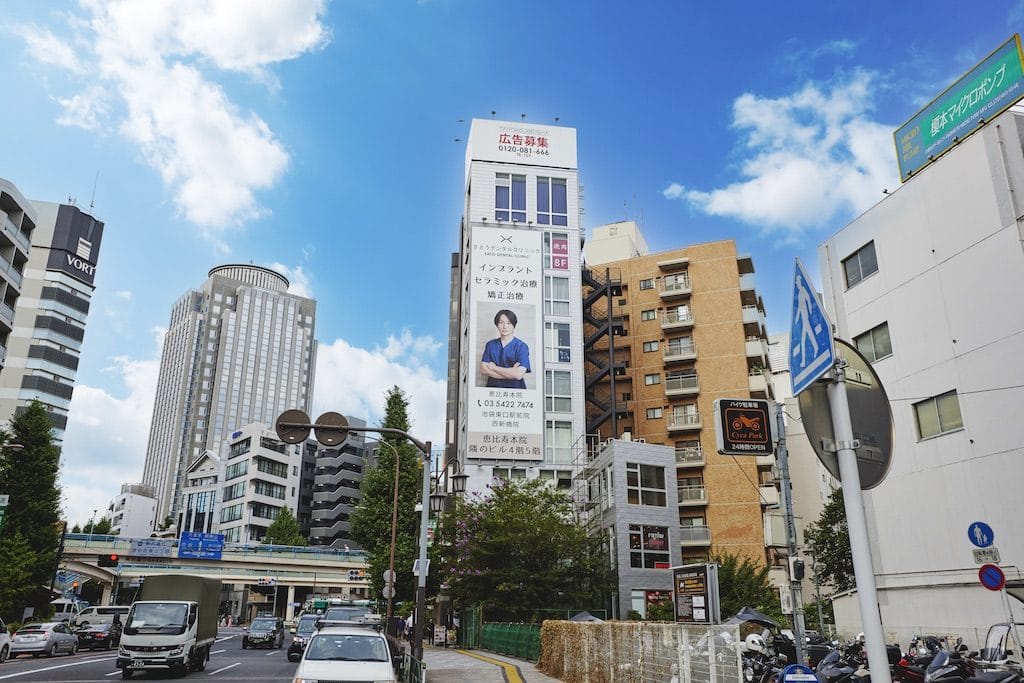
x: 667, y: 334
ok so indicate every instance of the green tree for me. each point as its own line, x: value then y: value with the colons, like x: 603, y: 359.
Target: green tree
x: 284, y: 530
x: 16, y: 558
x: 103, y: 526
x: 829, y: 540
x: 371, y: 520
x: 29, y: 476
x: 744, y: 583
x: 76, y: 529
x: 520, y: 550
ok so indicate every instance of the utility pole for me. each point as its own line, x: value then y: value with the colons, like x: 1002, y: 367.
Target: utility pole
x: 787, y: 504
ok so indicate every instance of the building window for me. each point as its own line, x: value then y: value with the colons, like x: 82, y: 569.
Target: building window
x: 556, y: 295
x: 231, y: 513
x: 681, y: 380
x: 654, y: 413
x: 647, y: 283
x: 938, y: 415
x: 510, y: 197
x: 236, y: 470
x: 552, y: 205
x: 680, y: 347
x: 875, y: 344
x: 558, y: 441
x: 239, y: 448
x: 508, y: 473
x: 862, y: 263
x: 651, y: 346
x: 556, y: 250
x: 556, y: 342
x: 654, y: 378
x: 278, y: 469
x: 234, y: 491
x: 648, y: 546
x: 645, y: 484
x: 650, y: 314
x: 560, y: 479
x: 558, y: 391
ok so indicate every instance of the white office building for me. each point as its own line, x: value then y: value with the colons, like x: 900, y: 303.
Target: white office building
x: 132, y: 512
x: 927, y: 284
x: 238, y: 350
x: 516, y: 407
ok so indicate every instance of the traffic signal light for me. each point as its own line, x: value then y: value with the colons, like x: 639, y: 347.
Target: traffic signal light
x: 796, y: 569
x: 108, y: 560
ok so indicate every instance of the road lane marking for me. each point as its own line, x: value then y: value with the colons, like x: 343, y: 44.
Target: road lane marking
x: 511, y: 671
x: 53, y: 668
x: 221, y: 640
x: 217, y: 652
x: 271, y: 654
x: 229, y: 666
x: 112, y: 673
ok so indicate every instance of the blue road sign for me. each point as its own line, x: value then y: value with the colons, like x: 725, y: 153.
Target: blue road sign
x: 992, y: 577
x: 811, y: 351
x: 797, y: 672
x: 980, y: 534
x: 201, y: 546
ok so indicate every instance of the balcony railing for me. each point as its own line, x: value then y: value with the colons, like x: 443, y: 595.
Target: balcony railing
x: 690, y: 456
x: 676, y: 319
x: 680, y: 386
x: 692, y: 495
x: 684, y: 421
x: 678, y: 352
x: 695, y: 535
x: 677, y: 286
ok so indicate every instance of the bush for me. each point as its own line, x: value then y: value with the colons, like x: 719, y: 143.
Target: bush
x: 633, y: 615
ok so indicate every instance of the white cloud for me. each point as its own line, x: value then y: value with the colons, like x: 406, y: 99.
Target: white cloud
x: 808, y: 157
x: 354, y: 381
x: 123, y: 294
x: 159, y: 59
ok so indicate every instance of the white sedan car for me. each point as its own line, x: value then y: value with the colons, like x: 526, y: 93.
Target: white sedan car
x: 347, y: 653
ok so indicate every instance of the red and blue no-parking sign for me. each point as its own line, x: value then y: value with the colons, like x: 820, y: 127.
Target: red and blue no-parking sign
x: 992, y: 577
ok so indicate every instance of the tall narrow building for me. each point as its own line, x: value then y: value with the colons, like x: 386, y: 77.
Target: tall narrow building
x: 667, y: 334
x: 56, y: 285
x: 515, y: 407
x: 239, y: 349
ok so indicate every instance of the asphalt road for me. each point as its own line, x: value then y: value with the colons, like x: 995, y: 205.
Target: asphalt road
x: 228, y: 662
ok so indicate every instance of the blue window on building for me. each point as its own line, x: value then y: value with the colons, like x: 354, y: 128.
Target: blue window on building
x: 552, y: 205
x: 510, y: 197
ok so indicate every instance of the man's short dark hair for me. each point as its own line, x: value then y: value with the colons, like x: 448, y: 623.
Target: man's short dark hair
x: 508, y: 314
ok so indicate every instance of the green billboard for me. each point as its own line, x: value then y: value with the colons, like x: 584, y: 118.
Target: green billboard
x: 980, y: 94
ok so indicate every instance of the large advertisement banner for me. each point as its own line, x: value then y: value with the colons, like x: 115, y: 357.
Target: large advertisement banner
x: 506, y: 384
x: 985, y: 91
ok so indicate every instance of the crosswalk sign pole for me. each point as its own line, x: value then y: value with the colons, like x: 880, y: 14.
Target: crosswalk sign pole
x: 853, y: 500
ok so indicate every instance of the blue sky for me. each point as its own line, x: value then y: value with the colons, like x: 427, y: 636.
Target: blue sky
x: 326, y: 139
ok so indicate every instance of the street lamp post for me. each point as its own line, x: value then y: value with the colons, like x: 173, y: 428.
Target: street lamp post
x: 331, y: 429
x: 394, y: 538
x: 92, y: 525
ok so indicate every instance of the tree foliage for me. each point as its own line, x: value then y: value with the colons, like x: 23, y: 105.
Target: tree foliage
x: 519, y: 550
x: 371, y: 520
x: 284, y: 530
x: 29, y: 476
x: 829, y: 540
x: 744, y: 583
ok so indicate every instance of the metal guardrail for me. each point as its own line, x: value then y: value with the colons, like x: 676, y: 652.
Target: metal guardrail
x: 413, y: 670
x: 122, y: 545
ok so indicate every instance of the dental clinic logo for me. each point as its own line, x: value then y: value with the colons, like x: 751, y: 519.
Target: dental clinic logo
x: 80, y: 259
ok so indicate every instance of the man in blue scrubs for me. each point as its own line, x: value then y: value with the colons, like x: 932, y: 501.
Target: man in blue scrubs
x: 506, y: 360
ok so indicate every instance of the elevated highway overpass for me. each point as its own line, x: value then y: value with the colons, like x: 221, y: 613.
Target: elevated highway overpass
x: 301, y: 571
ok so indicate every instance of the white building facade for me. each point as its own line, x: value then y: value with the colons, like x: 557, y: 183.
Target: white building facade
x: 519, y: 255
x: 927, y: 285
x: 132, y: 512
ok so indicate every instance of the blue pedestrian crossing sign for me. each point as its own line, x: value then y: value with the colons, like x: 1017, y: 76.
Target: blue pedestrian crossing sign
x: 811, y: 351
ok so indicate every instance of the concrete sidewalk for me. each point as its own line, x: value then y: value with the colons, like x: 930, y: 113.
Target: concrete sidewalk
x: 450, y: 665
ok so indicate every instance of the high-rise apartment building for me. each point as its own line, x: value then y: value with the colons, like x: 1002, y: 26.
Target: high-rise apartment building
x: 516, y: 341
x: 238, y: 350
x: 17, y: 223
x: 667, y: 334
x: 56, y: 285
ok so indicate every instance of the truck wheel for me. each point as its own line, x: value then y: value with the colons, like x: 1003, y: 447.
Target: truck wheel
x: 204, y: 658
x: 126, y: 673
x: 4, y: 652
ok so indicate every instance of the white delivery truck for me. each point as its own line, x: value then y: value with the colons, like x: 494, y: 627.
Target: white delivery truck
x: 171, y: 626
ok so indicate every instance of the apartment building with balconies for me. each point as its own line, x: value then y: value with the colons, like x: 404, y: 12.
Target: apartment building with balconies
x: 665, y: 335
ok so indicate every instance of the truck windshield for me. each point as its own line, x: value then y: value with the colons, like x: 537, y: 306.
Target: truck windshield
x: 157, y: 617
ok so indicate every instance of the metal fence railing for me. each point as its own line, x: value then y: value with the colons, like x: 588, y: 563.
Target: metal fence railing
x: 413, y: 670
x: 514, y: 640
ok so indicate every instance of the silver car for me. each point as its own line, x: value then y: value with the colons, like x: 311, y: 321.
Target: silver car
x: 44, y: 639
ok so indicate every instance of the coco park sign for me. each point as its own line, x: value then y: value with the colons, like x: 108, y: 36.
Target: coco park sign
x: 979, y: 96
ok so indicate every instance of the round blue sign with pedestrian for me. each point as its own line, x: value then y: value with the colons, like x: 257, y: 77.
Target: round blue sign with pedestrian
x: 980, y: 534
x: 797, y: 672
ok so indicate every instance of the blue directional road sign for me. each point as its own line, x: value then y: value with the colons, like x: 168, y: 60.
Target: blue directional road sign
x: 811, y: 352
x: 981, y: 534
x: 200, y: 546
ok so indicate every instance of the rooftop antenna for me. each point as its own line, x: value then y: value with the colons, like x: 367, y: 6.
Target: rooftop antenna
x: 92, y: 199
